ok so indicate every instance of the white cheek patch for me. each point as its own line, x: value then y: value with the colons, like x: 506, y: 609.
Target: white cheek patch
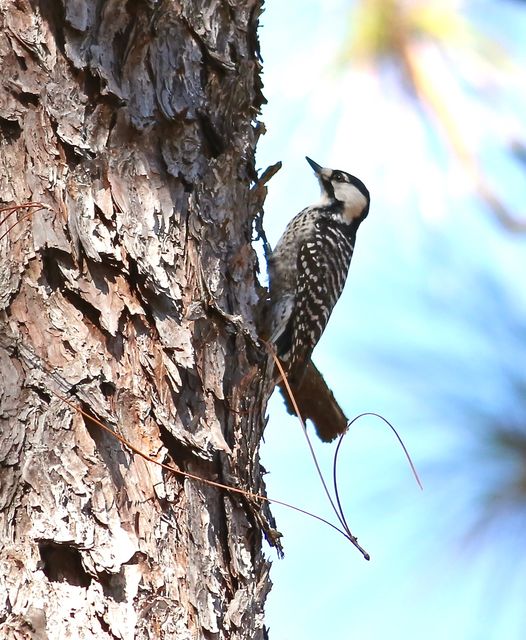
x: 353, y: 200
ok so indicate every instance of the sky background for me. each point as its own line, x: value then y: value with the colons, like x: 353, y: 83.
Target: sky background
x: 430, y: 333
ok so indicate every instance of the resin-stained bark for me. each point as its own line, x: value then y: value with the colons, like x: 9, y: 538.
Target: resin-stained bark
x: 133, y: 295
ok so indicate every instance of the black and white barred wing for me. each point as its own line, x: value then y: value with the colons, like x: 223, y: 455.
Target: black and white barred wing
x: 323, y: 263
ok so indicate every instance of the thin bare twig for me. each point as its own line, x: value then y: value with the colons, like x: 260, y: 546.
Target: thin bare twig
x: 34, y: 206
x: 345, y: 531
x: 185, y: 474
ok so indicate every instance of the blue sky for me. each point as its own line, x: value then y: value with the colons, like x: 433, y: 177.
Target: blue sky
x: 418, y: 336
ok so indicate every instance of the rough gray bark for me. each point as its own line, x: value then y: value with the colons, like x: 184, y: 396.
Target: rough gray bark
x: 134, y: 296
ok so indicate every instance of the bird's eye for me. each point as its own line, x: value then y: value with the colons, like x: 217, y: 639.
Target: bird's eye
x: 338, y: 176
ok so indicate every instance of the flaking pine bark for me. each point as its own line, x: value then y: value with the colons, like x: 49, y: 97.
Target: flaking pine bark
x: 131, y: 294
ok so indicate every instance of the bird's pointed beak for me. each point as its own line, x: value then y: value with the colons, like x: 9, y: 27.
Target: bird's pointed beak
x: 316, y: 167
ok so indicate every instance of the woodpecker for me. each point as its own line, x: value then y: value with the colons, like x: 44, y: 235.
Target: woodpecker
x: 308, y: 267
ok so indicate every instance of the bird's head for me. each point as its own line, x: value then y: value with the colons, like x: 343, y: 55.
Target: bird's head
x: 345, y: 188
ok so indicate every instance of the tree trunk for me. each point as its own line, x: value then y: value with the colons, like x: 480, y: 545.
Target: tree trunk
x: 132, y: 295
